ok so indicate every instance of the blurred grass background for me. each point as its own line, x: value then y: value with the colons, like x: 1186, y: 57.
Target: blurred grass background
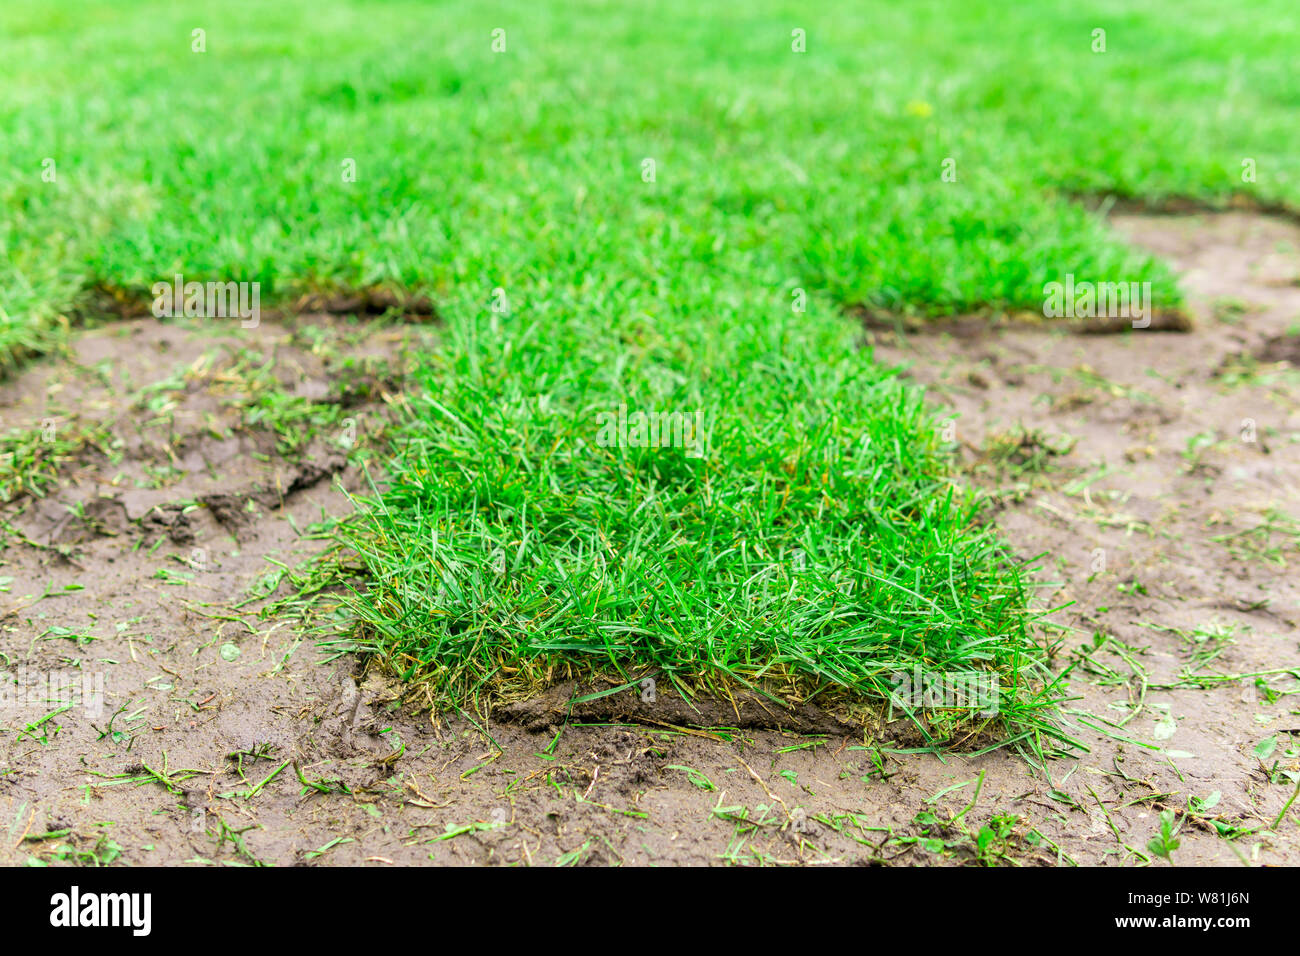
x: 478, y: 169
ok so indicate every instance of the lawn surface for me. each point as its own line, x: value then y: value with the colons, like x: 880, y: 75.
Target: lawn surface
x: 664, y: 209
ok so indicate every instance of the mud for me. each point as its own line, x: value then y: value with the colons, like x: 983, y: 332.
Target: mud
x: 229, y: 737
x: 609, y: 702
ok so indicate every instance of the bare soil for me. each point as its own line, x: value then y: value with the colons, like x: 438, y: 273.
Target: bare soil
x: 1156, y: 473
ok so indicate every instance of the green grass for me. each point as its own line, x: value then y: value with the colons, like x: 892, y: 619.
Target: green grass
x: 824, y: 546
x: 31, y: 459
x: 776, y: 172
